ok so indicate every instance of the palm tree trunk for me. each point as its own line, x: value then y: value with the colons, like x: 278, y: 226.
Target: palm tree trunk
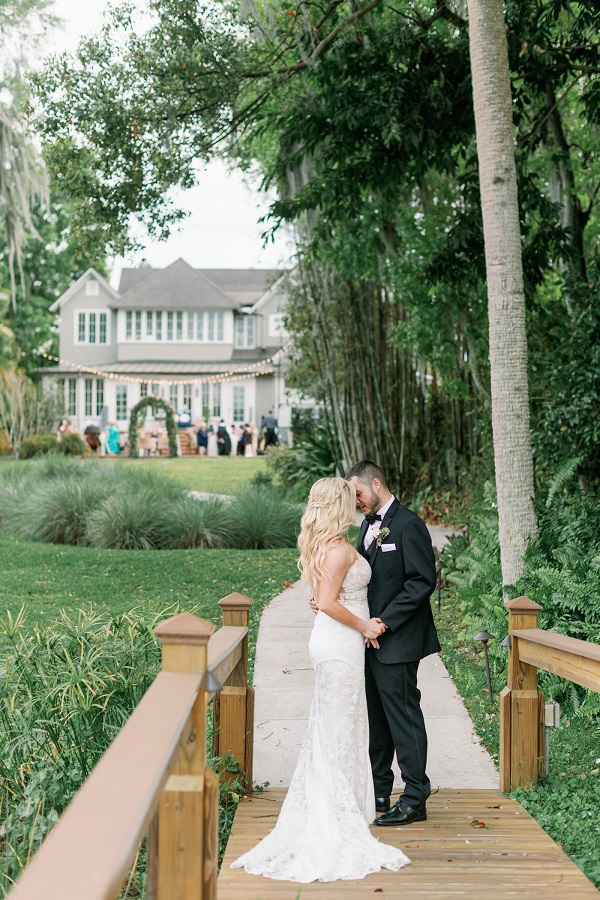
x: 508, y: 342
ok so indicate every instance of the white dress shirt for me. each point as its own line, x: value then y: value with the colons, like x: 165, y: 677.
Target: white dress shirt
x: 373, y: 530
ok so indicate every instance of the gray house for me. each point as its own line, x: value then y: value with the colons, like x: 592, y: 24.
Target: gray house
x: 210, y: 341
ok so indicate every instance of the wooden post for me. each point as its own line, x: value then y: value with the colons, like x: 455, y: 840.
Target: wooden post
x: 181, y: 839
x: 520, y: 747
x: 233, y: 715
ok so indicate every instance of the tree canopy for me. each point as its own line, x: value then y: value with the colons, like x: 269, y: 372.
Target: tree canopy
x: 361, y: 117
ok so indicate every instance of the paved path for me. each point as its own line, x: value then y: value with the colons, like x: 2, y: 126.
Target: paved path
x: 284, y: 683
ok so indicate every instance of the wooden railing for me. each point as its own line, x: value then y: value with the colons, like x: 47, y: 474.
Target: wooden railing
x: 521, y: 703
x: 153, y: 779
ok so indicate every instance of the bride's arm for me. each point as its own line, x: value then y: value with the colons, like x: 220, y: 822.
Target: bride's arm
x: 337, y: 562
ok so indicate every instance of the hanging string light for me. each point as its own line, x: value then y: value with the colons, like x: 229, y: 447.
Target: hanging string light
x: 241, y: 374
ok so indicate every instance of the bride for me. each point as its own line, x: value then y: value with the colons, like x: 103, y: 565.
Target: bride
x: 322, y: 833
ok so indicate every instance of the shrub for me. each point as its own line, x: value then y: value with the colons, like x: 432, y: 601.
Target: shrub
x: 262, y: 519
x: 37, y: 446
x: 64, y: 694
x: 562, y: 574
x: 58, y: 512
x: 189, y: 523
x: 72, y: 445
x: 310, y: 458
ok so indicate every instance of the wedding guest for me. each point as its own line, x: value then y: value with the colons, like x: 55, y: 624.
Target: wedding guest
x: 270, y: 429
x: 223, y: 440
x: 202, y: 439
x: 113, y: 442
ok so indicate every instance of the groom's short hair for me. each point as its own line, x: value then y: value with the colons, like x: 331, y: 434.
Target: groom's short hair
x: 366, y: 471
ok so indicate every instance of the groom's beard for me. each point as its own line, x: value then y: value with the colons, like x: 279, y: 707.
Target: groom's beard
x: 374, y: 503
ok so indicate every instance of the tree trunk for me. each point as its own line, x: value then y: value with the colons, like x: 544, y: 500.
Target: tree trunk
x: 508, y: 342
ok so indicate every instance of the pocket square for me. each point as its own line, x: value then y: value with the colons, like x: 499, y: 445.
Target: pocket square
x: 387, y: 547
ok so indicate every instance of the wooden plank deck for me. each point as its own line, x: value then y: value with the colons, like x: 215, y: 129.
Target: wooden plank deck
x: 452, y: 855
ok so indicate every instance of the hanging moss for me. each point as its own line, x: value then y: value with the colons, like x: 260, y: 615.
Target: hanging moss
x: 156, y: 403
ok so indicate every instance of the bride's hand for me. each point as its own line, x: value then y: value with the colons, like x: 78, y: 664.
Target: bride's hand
x: 372, y: 642
x: 313, y: 605
x: 373, y: 628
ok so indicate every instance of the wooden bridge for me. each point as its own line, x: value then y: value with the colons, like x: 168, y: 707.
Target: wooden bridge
x: 153, y: 781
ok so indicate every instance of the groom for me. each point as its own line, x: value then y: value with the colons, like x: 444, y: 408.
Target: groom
x: 397, y: 546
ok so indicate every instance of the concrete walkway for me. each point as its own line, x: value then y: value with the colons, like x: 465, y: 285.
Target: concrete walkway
x: 284, y: 683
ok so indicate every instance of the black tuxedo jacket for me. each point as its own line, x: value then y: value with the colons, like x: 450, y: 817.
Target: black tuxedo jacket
x: 402, y: 582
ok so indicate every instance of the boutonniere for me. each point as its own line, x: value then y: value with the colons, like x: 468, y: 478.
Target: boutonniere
x: 383, y: 533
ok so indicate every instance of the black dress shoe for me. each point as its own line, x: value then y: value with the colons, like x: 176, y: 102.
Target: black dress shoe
x: 403, y: 814
x: 382, y: 804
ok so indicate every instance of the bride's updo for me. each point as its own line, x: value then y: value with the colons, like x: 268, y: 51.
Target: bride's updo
x: 330, y: 512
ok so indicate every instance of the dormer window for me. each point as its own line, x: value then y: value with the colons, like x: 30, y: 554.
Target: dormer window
x: 244, y: 331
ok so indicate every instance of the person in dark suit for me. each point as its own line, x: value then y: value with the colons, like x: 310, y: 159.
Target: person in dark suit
x: 398, y: 547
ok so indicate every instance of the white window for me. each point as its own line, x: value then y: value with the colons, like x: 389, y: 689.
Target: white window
x: 239, y: 403
x: 92, y: 289
x: 138, y: 326
x: 121, y: 402
x: 187, y: 397
x: 206, y: 400
x: 92, y: 327
x: 179, y: 326
x: 128, y: 325
x: 149, y: 324
x: 143, y: 389
x: 72, y: 397
x: 200, y: 326
x: 190, y: 326
x: 217, y: 399
x: 211, y: 326
x: 99, y: 396
x: 276, y: 326
x: 169, y: 326
x: 89, y: 397
x: 220, y: 326
x: 173, y: 391
x: 244, y: 331
x: 94, y: 396
x: 159, y: 320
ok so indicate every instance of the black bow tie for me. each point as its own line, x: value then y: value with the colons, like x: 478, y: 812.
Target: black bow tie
x: 374, y: 518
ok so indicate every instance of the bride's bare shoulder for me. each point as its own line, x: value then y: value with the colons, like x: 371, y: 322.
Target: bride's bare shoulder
x: 339, y: 557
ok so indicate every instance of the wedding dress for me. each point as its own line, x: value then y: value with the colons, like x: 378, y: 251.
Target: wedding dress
x: 322, y: 833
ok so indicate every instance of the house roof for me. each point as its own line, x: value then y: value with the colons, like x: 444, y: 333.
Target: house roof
x: 180, y: 286
x: 161, y: 368
x: 77, y: 284
x: 176, y: 287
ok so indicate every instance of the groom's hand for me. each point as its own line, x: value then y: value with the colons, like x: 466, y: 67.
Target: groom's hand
x: 313, y: 605
x: 373, y: 628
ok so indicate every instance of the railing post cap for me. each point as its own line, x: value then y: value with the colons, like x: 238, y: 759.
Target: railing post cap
x: 235, y: 602
x: 184, y: 629
x: 523, y: 605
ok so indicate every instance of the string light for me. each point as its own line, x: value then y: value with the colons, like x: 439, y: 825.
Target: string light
x: 231, y: 375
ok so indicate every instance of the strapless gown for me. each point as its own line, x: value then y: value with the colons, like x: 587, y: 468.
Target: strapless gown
x: 322, y: 833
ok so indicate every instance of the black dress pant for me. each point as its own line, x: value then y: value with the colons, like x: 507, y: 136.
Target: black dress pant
x: 396, y: 724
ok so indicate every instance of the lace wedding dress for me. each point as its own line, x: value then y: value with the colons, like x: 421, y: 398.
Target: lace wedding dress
x: 322, y: 833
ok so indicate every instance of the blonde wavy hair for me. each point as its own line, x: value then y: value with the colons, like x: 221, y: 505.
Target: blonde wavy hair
x: 330, y: 511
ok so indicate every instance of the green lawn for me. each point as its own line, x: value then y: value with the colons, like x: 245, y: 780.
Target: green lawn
x: 47, y: 578
x: 217, y: 475
x: 214, y: 474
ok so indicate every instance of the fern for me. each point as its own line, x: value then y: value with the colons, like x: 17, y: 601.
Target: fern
x: 563, y: 477
x: 562, y: 574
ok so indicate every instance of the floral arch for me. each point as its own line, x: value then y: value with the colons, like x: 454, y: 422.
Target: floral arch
x: 134, y: 424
